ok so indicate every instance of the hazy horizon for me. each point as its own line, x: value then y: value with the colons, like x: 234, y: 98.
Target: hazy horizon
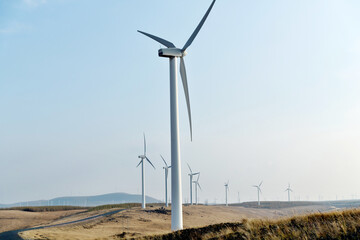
x: 274, y: 91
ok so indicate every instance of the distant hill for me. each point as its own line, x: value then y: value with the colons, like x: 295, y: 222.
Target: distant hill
x: 86, y: 201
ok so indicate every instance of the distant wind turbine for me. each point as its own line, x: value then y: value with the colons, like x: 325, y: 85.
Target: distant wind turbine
x: 142, y: 157
x: 191, y: 174
x: 173, y: 53
x: 197, y: 184
x: 258, y: 191
x: 288, y: 190
x: 226, y: 192
x: 166, y: 168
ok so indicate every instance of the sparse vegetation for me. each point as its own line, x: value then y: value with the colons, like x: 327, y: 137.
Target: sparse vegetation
x: 277, y: 204
x: 65, y: 208
x: 334, y: 225
x: 123, y: 205
x: 44, y: 208
x: 160, y: 210
x: 109, y: 206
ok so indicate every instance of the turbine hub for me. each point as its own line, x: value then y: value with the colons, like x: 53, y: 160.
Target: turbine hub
x: 170, y: 52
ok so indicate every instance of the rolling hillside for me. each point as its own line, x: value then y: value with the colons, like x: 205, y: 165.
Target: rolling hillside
x: 86, y: 201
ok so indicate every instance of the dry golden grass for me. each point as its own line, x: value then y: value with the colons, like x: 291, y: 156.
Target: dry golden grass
x: 15, y: 219
x: 334, y: 225
x: 136, y: 222
x: 45, y: 208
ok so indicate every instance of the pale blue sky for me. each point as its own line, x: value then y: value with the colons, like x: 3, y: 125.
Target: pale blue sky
x: 274, y: 91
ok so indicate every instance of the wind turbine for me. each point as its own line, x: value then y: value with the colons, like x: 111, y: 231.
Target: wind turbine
x: 166, y: 168
x: 142, y: 157
x: 191, y: 174
x: 173, y: 53
x: 288, y: 190
x: 258, y: 191
x: 197, y: 184
x: 226, y: 192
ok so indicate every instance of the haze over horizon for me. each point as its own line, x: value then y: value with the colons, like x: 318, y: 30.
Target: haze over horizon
x: 274, y: 91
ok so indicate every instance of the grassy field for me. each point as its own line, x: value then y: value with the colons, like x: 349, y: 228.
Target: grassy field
x: 123, y: 206
x: 276, y: 204
x: 44, y: 208
x: 334, y: 225
x: 110, y: 206
x: 66, y: 208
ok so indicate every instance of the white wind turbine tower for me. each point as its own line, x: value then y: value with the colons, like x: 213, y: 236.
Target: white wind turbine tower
x: 173, y: 54
x: 166, y: 168
x: 191, y: 174
x: 258, y: 191
x: 226, y: 192
x: 142, y: 157
x: 197, y: 184
x: 288, y: 190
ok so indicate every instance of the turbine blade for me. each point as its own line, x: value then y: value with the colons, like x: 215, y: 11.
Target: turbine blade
x: 189, y: 168
x: 199, y: 186
x: 139, y: 163
x: 164, y: 161
x: 160, y: 40
x: 198, y: 177
x: 197, y: 29
x: 150, y: 162
x: 186, y: 91
x: 260, y: 183
x: 144, y: 145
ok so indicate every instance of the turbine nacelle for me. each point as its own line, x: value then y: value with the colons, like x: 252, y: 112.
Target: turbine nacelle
x: 193, y: 174
x: 141, y: 156
x: 171, y: 52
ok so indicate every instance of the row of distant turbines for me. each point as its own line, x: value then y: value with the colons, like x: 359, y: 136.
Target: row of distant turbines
x: 192, y: 182
x: 166, y: 171
x: 258, y: 188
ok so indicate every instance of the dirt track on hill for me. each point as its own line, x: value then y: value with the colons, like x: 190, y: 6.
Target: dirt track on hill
x: 14, y: 235
x: 15, y: 219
